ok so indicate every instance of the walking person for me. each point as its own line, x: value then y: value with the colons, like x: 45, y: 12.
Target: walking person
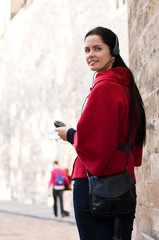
x: 58, y: 180
x: 102, y: 131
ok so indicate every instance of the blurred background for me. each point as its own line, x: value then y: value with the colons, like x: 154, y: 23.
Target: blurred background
x: 44, y: 77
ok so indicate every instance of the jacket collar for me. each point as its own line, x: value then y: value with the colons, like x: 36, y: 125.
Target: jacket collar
x: 119, y: 75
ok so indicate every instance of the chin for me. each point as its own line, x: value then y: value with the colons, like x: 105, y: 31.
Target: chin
x: 94, y: 69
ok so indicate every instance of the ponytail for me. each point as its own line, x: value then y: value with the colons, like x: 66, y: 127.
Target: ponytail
x: 137, y: 112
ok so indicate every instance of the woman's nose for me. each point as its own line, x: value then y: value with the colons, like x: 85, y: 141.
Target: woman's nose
x: 91, y: 53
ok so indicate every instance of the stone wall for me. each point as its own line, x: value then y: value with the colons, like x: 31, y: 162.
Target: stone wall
x: 143, y: 19
x: 4, y: 16
x: 16, y: 5
x: 8, y: 9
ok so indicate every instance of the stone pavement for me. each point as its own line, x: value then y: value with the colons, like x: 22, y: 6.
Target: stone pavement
x: 31, y: 210
x: 33, y: 222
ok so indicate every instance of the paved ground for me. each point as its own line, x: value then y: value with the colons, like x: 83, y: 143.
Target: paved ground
x: 17, y: 227
x: 34, y: 222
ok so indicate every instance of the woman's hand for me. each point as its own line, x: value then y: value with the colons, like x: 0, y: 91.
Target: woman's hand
x: 62, y: 132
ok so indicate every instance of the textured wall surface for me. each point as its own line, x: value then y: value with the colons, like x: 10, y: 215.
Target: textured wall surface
x: 43, y: 77
x: 143, y: 22
x: 16, y: 5
x: 4, y: 16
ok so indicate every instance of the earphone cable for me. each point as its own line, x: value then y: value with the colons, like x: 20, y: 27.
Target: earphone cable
x: 88, y: 95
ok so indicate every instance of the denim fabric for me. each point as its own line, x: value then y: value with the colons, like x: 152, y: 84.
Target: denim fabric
x: 57, y: 194
x: 90, y: 228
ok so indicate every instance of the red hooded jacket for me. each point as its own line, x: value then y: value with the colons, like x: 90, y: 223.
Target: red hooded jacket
x: 103, y: 124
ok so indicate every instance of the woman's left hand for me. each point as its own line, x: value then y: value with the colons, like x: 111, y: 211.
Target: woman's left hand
x: 62, y: 132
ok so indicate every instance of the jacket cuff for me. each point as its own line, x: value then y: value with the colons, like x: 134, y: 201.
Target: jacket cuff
x: 70, y: 135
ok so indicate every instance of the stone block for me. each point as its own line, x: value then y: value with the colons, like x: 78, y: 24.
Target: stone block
x: 140, y: 24
x: 143, y: 172
x: 157, y: 71
x: 135, y: 59
x: 149, y: 40
x: 152, y: 190
x: 154, y: 161
x: 141, y: 193
x: 143, y: 83
x: 132, y: 42
x: 149, y: 11
x: 4, y: 16
x: 152, y: 86
x: 151, y: 110
x: 132, y: 10
x: 150, y: 138
x: 148, y: 220
x: 156, y: 145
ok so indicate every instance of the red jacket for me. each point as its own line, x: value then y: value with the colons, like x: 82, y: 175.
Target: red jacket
x: 103, y: 124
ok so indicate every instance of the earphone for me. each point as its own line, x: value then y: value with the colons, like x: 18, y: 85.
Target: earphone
x: 116, y: 47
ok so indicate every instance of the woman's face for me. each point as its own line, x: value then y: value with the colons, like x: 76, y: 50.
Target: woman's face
x: 98, y: 56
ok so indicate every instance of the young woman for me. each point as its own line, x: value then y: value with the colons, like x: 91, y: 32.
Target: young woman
x: 113, y: 100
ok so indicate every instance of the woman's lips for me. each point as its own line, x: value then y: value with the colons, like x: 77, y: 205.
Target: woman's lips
x: 92, y: 62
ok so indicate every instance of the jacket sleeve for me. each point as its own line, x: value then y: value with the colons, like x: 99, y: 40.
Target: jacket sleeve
x: 96, y: 138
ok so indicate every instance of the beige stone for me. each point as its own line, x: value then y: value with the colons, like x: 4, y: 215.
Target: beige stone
x: 142, y: 81
x: 151, y: 107
x: 141, y: 193
x: 153, y: 195
x: 154, y: 170
x: 144, y: 61
x: 148, y: 220
x: 4, y: 16
x: 149, y: 11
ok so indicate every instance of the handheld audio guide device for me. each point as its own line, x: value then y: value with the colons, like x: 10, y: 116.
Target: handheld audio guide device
x: 59, y: 124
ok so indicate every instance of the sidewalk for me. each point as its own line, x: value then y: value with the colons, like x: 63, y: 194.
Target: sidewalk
x: 35, y: 211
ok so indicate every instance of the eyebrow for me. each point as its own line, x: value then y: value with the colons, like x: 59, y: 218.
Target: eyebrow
x: 98, y: 45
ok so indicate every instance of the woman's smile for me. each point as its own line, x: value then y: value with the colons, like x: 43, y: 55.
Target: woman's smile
x: 92, y: 62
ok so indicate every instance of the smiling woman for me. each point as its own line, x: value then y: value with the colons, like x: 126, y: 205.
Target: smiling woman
x: 103, y: 126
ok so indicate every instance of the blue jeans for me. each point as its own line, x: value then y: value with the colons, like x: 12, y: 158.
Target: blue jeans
x: 57, y: 194
x: 91, y: 228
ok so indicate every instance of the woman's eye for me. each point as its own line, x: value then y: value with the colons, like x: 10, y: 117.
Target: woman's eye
x: 98, y: 49
x: 86, y: 50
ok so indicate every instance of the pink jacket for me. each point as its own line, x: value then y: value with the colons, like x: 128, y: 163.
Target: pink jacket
x: 54, y: 174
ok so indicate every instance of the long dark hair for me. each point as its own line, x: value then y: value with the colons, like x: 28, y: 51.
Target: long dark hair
x: 110, y: 38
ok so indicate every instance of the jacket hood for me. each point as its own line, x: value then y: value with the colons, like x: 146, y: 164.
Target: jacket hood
x: 118, y: 74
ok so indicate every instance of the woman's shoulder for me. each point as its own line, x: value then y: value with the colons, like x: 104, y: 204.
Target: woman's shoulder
x: 113, y: 76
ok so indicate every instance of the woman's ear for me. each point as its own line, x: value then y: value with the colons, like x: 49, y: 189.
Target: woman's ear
x: 112, y: 59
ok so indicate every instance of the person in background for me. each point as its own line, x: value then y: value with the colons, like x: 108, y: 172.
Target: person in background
x: 58, y: 180
x: 101, y: 138
x: 69, y: 177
